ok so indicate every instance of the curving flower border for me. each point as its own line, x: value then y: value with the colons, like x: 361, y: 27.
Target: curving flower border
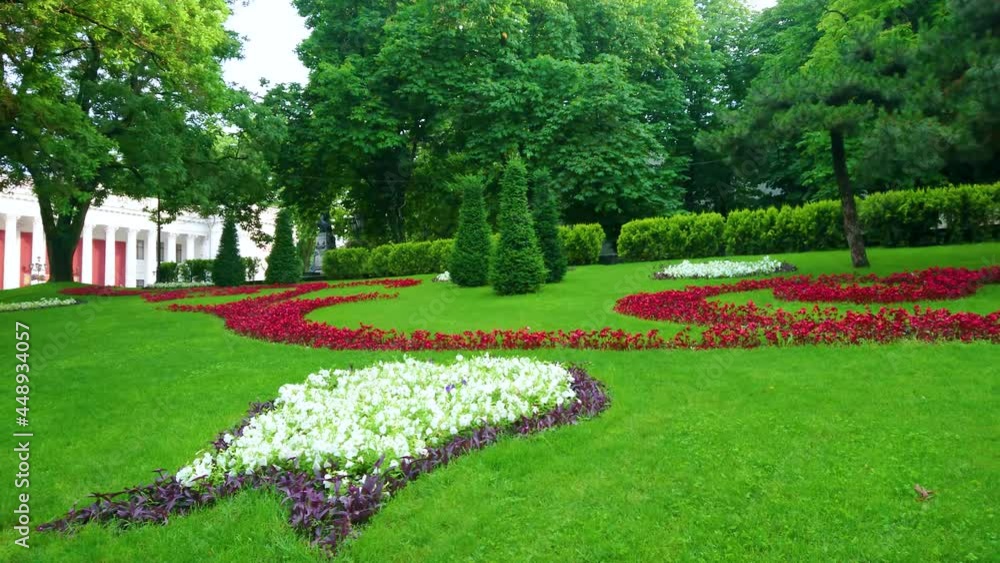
x: 44, y: 303
x: 325, y: 518
x: 723, y: 269
x: 282, y: 318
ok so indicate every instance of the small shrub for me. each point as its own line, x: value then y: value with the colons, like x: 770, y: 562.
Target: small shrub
x: 519, y: 267
x: 644, y: 239
x: 583, y: 243
x: 251, y: 267
x: 228, y: 269
x: 199, y: 271
x: 166, y: 272
x: 345, y: 263
x: 441, y: 252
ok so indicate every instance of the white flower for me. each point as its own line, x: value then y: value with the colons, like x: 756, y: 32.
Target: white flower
x: 444, y: 278
x: 388, y: 410
x: 721, y: 269
x: 43, y: 303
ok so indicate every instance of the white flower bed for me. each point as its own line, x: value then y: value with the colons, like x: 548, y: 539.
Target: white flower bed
x: 40, y: 304
x: 389, y: 409
x: 443, y: 278
x: 721, y: 269
x: 179, y: 285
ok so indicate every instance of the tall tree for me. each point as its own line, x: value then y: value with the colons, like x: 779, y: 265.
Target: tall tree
x: 123, y: 98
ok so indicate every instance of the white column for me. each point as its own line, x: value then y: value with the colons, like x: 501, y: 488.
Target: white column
x: 130, y: 244
x: 87, y: 255
x: 38, y: 252
x: 151, y: 256
x: 11, y: 252
x: 109, y: 255
x: 205, y: 252
x: 170, y: 248
x: 188, y: 247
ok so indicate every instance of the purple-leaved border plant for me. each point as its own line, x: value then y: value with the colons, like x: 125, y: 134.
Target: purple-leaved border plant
x: 326, y: 510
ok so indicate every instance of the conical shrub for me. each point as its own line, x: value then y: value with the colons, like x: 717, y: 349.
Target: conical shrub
x: 519, y: 267
x: 283, y: 263
x: 470, y: 260
x: 228, y: 269
x: 547, y: 232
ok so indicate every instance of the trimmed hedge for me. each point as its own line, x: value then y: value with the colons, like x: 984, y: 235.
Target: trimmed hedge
x: 901, y: 218
x: 228, y: 269
x: 582, y: 243
x: 345, y: 263
x: 166, y: 272
x: 404, y: 259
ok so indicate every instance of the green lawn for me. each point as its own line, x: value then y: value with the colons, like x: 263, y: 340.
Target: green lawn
x: 772, y: 454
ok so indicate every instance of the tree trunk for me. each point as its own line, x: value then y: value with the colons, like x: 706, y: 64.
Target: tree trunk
x: 852, y: 229
x: 62, y: 234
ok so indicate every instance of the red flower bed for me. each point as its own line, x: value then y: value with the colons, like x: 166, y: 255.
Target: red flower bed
x: 748, y: 325
x: 282, y: 318
x: 158, y: 296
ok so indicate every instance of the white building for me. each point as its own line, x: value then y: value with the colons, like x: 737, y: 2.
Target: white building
x: 116, y: 242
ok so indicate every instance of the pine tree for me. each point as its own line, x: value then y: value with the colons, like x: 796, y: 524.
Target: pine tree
x: 470, y: 261
x: 228, y: 269
x: 283, y: 263
x: 547, y: 232
x: 519, y: 267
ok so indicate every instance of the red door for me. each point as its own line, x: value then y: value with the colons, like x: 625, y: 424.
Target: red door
x: 120, y: 263
x: 98, y: 262
x: 77, y: 261
x: 26, y: 259
x: 2, y: 239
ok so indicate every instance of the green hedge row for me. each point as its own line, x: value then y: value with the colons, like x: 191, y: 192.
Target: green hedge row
x: 900, y: 218
x: 403, y: 259
x: 582, y: 243
x: 190, y: 271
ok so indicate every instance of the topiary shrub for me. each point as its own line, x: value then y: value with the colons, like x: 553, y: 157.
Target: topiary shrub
x: 583, y: 243
x: 166, y: 272
x: 345, y: 263
x: 519, y: 266
x: 470, y: 258
x: 546, y: 216
x: 228, y: 270
x: 283, y: 263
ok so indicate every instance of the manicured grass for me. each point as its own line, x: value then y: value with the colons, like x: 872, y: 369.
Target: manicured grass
x: 769, y: 454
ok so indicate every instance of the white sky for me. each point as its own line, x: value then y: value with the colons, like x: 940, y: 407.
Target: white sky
x: 272, y: 30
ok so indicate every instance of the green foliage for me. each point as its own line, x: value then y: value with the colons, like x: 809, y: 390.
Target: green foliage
x: 583, y: 243
x: 470, y: 261
x: 127, y: 99
x: 345, y: 263
x: 199, y: 270
x: 166, y: 272
x: 379, y: 261
x: 284, y: 265
x: 251, y: 267
x: 644, y: 239
x: 901, y: 218
x: 228, y: 270
x: 923, y: 217
x: 678, y: 236
x: 519, y: 267
x: 441, y: 252
x: 546, y: 215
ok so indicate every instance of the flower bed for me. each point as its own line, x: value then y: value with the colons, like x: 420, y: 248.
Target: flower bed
x: 180, y: 285
x: 340, y: 444
x: 43, y: 303
x: 747, y: 326
x: 281, y: 318
x: 159, y: 294
x: 723, y: 269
